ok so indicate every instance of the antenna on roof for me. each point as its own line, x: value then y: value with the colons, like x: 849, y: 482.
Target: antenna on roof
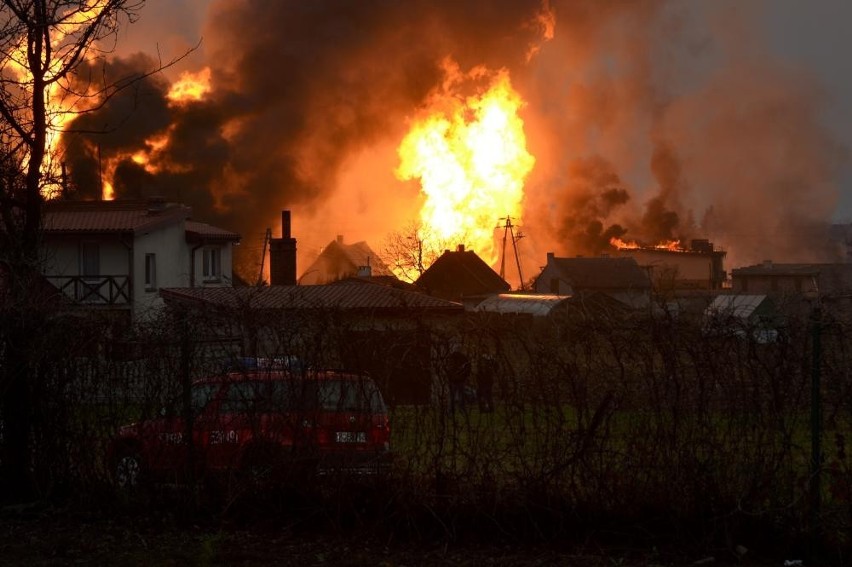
x: 509, y: 229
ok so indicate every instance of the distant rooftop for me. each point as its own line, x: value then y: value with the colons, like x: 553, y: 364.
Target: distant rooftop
x: 354, y: 295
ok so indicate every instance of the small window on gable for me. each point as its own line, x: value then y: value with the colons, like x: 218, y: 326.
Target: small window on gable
x: 150, y: 272
x: 212, y: 264
x: 554, y: 286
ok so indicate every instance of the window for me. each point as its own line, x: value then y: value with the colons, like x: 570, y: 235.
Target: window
x: 90, y: 260
x: 150, y: 272
x: 212, y: 265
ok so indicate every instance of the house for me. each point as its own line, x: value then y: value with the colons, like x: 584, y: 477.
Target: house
x: 338, y: 261
x: 461, y: 275
x: 354, y: 324
x: 116, y: 255
x: 807, y: 280
x: 673, y: 270
x: 620, y: 278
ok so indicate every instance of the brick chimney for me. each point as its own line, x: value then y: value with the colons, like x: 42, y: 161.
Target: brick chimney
x: 282, y: 255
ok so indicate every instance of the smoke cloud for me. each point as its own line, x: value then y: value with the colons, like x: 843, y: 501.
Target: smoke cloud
x: 647, y: 121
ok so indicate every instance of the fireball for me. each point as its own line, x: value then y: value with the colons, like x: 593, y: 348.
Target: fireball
x: 471, y: 159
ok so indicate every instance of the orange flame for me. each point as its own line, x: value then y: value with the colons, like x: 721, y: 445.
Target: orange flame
x: 471, y: 159
x: 670, y: 245
x: 61, y: 109
x: 190, y: 87
x: 624, y: 244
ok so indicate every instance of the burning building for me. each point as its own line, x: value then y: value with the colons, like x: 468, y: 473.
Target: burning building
x: 571, y: 116
x: 672, y: 268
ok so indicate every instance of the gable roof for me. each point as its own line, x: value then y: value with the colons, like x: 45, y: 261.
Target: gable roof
x: 119, y: 216
x: 601, y: 273
x: 338, y: 260
x: 461, y: 273
x: 353, y: 295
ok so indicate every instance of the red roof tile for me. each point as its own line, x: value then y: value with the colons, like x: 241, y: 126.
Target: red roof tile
x: 109, y: 216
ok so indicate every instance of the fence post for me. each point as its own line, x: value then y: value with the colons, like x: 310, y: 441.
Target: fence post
x: 816, y: 426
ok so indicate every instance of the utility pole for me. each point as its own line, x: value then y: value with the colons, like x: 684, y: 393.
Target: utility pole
x: 266, y: 238
x: 509, y: 230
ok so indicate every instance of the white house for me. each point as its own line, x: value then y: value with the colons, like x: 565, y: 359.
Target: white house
x: 116, y: 255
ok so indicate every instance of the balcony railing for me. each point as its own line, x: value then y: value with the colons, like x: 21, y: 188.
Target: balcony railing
x: 94, y: 290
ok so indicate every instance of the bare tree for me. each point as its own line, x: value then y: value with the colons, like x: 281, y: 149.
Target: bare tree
x: 42, y: 44
x: 412, y: 250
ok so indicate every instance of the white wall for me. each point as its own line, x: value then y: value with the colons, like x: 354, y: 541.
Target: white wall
x: 227, y: 258
x: 62, y: 255
x: 172, y: 255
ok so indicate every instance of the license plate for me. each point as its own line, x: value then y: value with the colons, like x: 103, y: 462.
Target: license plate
x: 350, y: 437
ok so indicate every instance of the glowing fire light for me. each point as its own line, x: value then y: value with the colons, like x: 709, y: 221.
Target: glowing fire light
x: 624, y: 244
x: 471, y: 159
x: 670, y: 245
x: 190, y: 86
x: 60, y: 108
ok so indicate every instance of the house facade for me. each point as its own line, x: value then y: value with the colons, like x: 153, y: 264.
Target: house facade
x: 116, y: 255
x: 699, y: 267
x: 806, y: 280
x: 620, y: 278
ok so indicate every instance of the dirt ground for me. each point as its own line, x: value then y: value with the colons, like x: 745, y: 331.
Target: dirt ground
x: 53, y: 537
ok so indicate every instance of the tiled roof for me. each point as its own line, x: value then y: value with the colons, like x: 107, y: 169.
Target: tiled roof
x: 461, y: 273
x: 602, y: 273
x: 199, y: 231
x: 109, y: 216
x: 342, y: 295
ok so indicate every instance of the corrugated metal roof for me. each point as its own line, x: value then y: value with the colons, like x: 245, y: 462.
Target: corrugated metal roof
x: 537, y: 305
x: 739, y: 306
x: 348, y: 296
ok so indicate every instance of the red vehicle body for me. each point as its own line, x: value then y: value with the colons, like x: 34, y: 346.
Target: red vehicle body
x: 314, y: 421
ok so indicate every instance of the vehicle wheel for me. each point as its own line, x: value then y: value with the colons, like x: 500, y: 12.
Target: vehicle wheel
x: 128, y: 470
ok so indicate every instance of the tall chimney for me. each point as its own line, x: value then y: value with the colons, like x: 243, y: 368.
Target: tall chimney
x: 282, y: 255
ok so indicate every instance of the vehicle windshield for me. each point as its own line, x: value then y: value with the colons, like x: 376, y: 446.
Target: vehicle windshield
x: 360, y: 396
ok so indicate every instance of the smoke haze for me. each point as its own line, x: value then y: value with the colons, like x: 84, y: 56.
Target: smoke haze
x: 647, y: 120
